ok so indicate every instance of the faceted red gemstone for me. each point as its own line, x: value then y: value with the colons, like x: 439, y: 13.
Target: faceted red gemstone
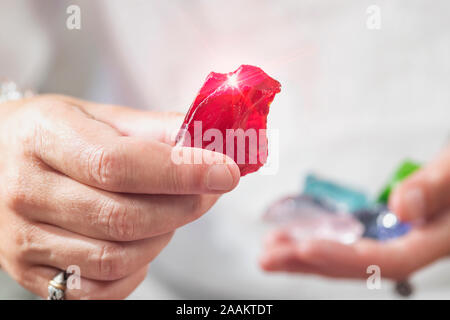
x: 228, y: 102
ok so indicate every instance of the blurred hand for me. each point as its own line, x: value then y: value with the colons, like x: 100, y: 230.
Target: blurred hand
x: 94, y: 186
x: 423, y: 199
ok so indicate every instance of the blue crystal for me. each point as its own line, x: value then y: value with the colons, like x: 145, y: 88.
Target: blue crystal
x: 389, y: 227
x: 380, y: 223
x: 339, y: 197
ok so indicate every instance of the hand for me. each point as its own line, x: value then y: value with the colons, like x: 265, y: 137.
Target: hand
x: 423, y: 199
x: 94, y: 186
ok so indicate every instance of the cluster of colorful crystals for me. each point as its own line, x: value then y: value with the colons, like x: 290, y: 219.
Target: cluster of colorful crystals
x: 328, y: 210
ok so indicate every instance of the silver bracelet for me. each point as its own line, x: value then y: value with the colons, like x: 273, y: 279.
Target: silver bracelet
x: 10, y: 91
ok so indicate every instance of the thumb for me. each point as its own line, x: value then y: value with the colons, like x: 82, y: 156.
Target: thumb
x: 425, y: 193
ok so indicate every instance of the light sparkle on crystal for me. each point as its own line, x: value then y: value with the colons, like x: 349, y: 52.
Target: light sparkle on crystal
x: 232, y: 80
x: 389, y: 220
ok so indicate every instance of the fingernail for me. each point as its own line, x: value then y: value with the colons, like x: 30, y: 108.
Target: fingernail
x: 415, y: 203
x: 219, y: 178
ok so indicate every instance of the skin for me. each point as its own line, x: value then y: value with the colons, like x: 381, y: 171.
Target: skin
x: 423, y: 199
x: 94, y: 186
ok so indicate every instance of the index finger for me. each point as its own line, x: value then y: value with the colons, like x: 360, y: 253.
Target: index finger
x: 425, y: 193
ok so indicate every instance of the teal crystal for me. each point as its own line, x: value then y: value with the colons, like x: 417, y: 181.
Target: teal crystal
x: 341, y: 198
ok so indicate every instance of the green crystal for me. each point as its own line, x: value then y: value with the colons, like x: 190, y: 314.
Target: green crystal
x: 403, y: 171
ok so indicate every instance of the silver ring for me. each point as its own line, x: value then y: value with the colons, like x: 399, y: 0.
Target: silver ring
x: 57, y: 287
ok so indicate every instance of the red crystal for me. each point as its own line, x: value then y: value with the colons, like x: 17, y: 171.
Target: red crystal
x: 235, y: 100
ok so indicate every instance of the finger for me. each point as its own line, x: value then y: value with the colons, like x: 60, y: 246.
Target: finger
x: 37, y: 278
x: 70, y: 205
x: 285, y: 257
x: 161, y: 126
x: 97, y: 259
x: 397, y: 258
x: 276, y: 238
x: 94, y: 153
x: 425, y: 193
